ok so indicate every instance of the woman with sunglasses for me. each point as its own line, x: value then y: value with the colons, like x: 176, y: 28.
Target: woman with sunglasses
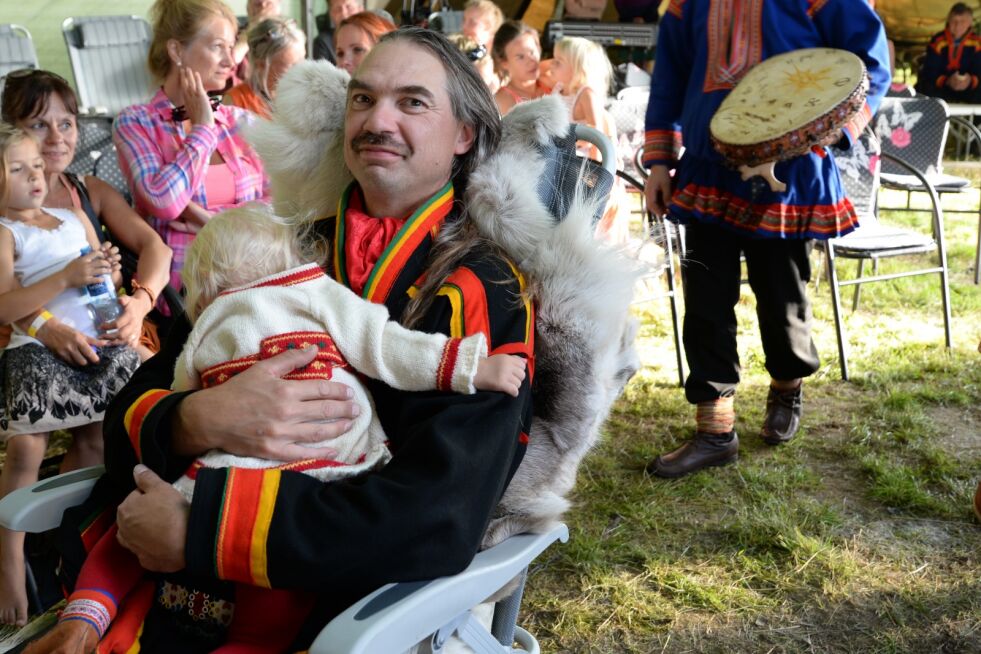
x: 183, y: 152
x: 43, y: 104
x: 275, y: 45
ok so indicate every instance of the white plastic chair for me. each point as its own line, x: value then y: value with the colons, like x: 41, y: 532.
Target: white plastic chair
x: 394, y: 618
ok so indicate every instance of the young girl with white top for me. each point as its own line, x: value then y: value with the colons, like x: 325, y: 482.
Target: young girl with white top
x: 42, y: 280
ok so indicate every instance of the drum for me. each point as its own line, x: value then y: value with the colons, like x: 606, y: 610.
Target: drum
x: 786, y: 105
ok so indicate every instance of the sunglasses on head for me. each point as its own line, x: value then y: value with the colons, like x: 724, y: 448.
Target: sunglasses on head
x: 476, y: 54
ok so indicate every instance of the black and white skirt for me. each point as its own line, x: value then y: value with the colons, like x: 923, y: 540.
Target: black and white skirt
x: 41, y: 392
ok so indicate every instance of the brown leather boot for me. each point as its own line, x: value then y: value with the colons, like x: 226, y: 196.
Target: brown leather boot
x: 782, y: 419
x: 702, y: 451
x: 977, y: 502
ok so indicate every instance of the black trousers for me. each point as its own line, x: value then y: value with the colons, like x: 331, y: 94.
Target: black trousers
x: 778, y: 274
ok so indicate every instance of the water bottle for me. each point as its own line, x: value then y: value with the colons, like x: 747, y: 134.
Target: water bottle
x: 103, y: 303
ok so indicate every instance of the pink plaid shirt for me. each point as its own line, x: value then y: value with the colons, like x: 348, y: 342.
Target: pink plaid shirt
x: 166, y: 166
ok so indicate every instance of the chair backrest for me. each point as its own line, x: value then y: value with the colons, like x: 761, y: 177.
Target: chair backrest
x: 16, y: 48
x: 859, y: 167
x: 108, y: 57
x: 915, y: 130
x: 447, y: 21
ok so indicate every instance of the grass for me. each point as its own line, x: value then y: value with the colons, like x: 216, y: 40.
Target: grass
x: 856, y: 537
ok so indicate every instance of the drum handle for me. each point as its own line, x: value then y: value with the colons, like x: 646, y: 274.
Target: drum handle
x: 602, y: 142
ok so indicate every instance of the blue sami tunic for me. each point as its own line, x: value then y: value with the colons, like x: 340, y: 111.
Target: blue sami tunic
x: 704, y: 48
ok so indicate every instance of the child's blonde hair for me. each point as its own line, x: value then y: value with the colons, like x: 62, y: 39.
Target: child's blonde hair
x: 590, y: 65
x: 10, y: 136
x: 240, y: 246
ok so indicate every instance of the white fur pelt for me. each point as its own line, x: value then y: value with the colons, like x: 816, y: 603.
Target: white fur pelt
x: 302, y: 147
x: 584, y: 333
x: 582, y: 289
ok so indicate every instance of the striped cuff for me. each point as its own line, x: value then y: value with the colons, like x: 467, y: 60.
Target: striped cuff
x: 90, y: 610
x: 458, y: 366
x: 661, y: 147
x: 857, y: 124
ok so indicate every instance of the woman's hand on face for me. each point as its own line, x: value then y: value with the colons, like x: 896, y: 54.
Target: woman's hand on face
x: 69, y: 344
x: 196, y: 100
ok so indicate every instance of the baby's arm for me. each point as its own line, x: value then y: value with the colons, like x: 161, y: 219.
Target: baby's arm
x: 384, y: 350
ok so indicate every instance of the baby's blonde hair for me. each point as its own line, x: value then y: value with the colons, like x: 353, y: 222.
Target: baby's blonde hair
x: 590, y: 65
x: 240, y: 246
x: 10, y: 135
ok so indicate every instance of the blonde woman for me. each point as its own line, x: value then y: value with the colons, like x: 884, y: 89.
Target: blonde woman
x: 275, y: 45
x: 183, y: 153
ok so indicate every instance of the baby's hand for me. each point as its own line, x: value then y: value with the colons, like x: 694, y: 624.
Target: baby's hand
x: 500, y: 372
x: 87, y: 269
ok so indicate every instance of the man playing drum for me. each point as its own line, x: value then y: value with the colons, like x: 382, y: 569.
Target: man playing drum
x: 704, y: 48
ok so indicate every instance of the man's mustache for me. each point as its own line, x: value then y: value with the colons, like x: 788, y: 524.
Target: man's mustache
x: 370, y: 139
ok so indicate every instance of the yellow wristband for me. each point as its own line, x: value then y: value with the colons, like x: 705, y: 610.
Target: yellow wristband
x: 42, y: 318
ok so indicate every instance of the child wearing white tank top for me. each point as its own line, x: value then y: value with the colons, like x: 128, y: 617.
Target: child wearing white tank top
x: 42, y: 276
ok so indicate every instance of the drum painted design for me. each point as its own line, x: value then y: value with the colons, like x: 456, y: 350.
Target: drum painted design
x: 788, y: 104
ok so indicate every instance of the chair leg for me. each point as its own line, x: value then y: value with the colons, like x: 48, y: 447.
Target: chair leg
x: 858, y: 287
x: 836, y: 307
x: 673, y: 299
x: 977, y: 255
x: 506, y: 614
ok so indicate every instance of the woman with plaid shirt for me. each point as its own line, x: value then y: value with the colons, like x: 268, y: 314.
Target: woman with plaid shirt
x: 183, y: 153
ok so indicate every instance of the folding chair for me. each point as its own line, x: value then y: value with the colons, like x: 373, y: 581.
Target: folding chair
x: 16, y: 48
x: 915, y: 130
x: 875, y: 240
x: 108, y: 58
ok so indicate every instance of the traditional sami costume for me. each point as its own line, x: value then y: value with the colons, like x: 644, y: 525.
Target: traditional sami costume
x: 453, y: 457
x: 945, y: 56
x: 704, y: 48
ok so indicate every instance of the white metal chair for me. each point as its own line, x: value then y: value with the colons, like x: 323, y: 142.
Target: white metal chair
x: 16, y: 48
x: 915, y: 130
x: 875, y: 240
x: 108, y: 58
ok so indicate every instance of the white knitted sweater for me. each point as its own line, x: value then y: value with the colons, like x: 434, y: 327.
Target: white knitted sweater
x: 302, y: 305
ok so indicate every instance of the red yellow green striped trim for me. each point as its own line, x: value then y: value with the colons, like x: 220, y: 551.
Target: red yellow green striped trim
x: 419, y: 225
x: 243, y: 528
x: 136, y: 415
x: 458, y: 323
x: 473, y: 313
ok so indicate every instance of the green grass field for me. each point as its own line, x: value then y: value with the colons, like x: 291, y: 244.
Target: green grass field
x: 856, y: 537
